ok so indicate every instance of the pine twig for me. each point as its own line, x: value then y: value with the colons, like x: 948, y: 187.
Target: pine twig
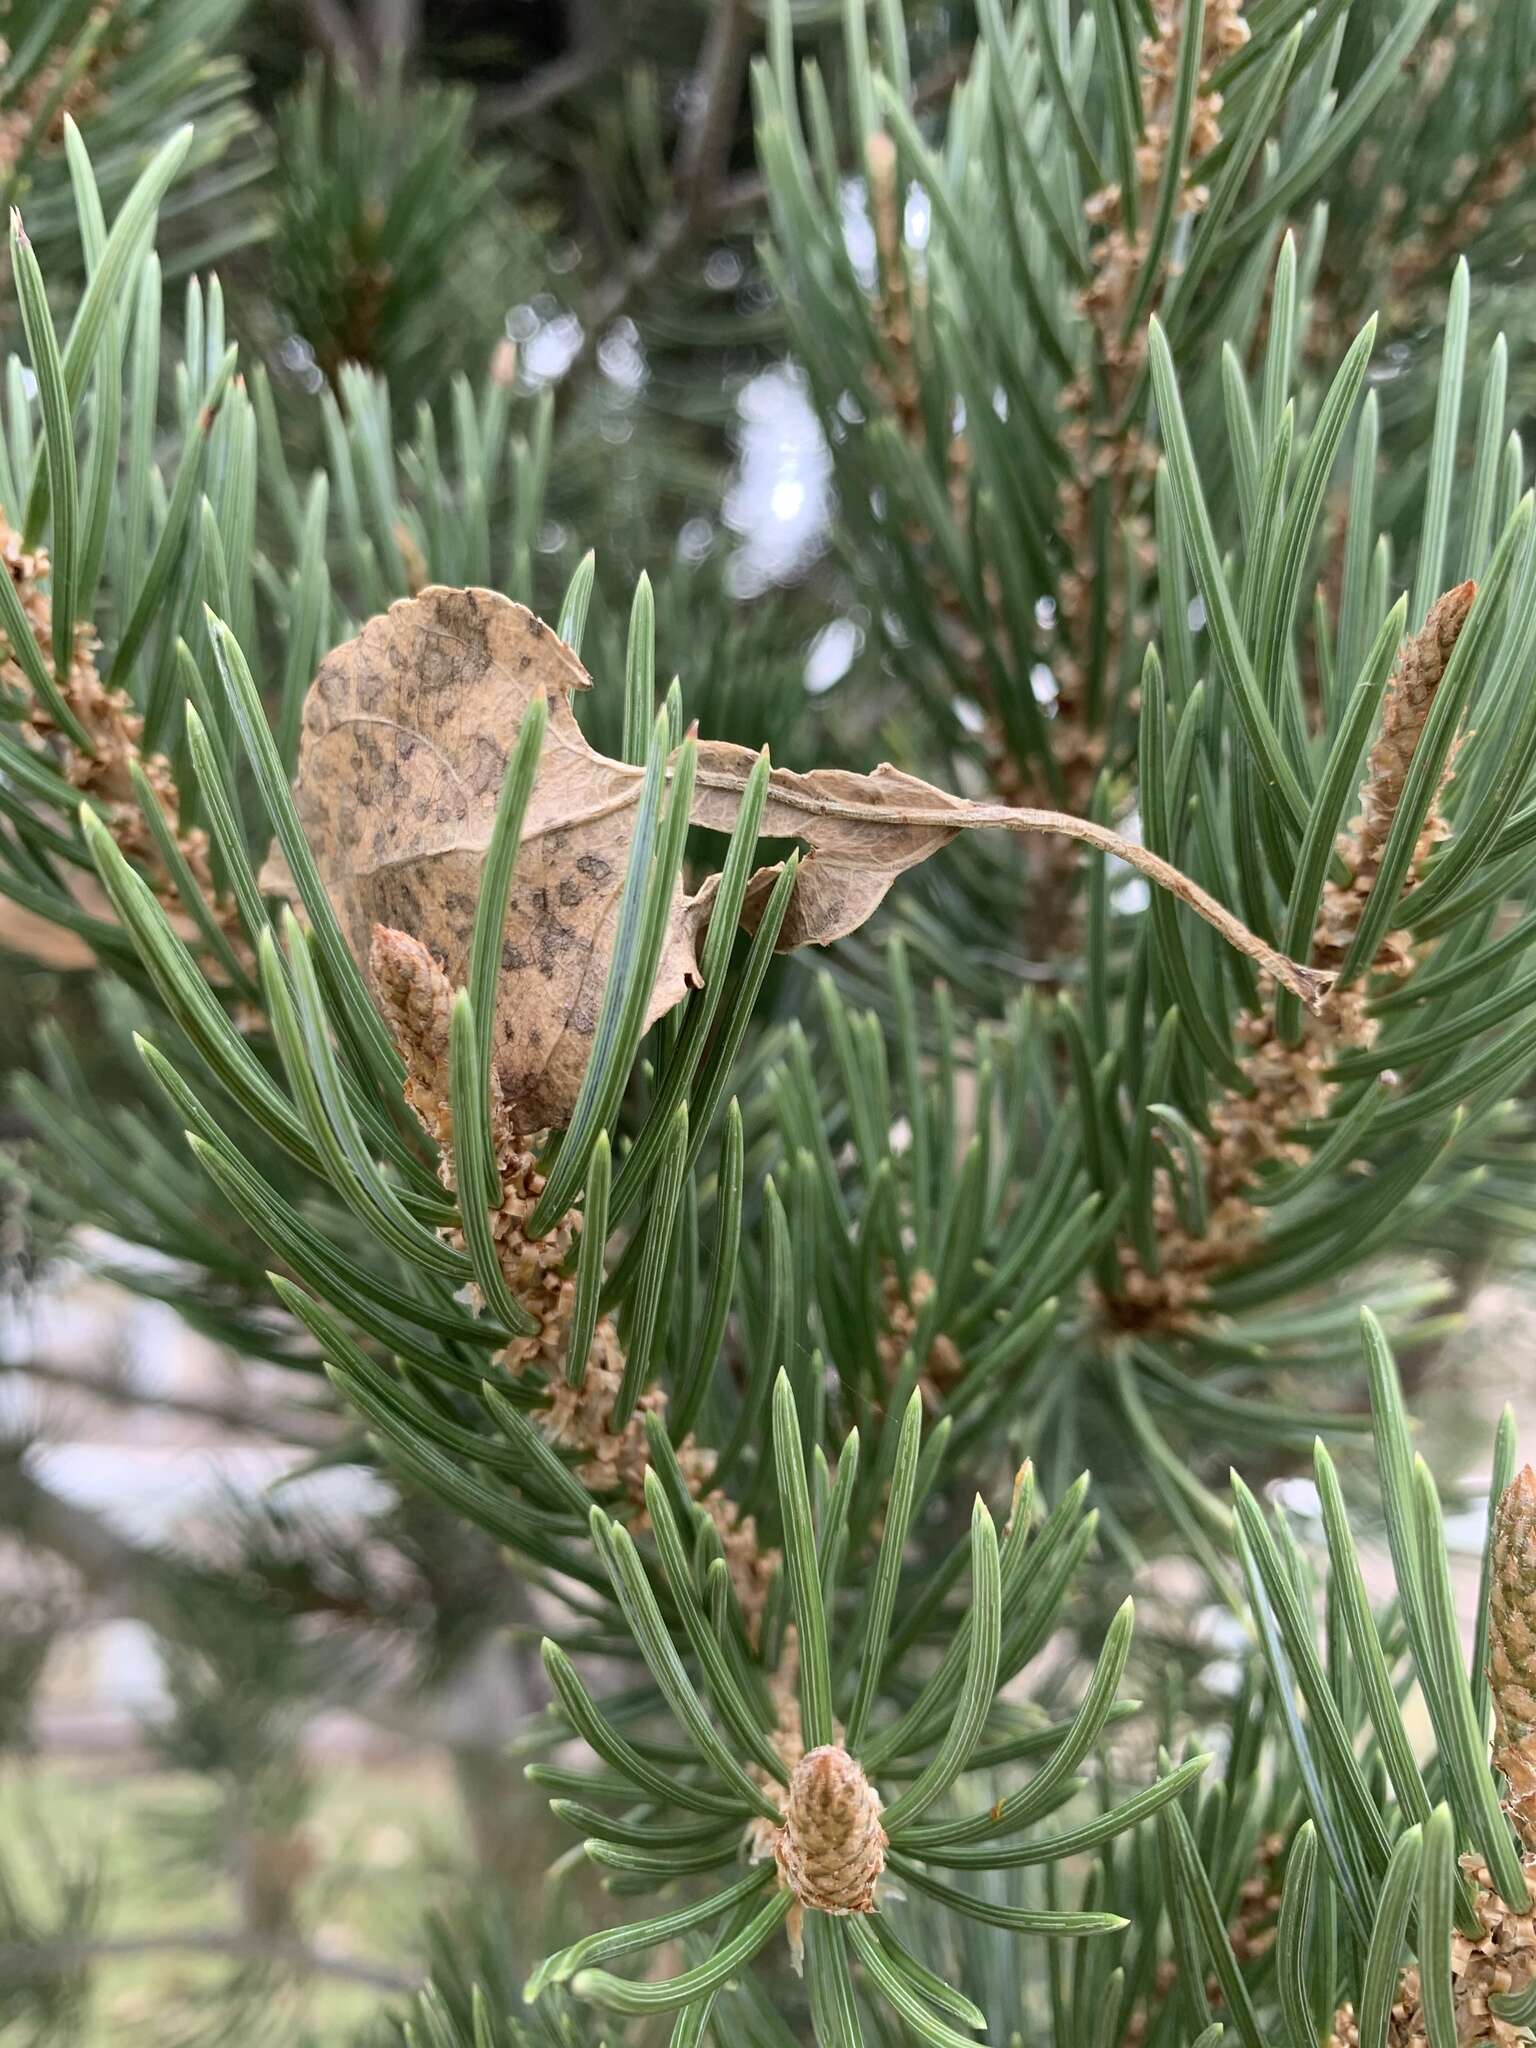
x: 135, y: 1580
x: 698, y: 161
x: 1512, y: 1649
x: 509, y: 106
x: 305, y: 1424
x: 53, y: 1958
x: 332, y: 30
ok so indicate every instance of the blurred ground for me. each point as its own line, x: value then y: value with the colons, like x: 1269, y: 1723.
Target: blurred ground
x: 381, y: 1838
x: 139, y: 1427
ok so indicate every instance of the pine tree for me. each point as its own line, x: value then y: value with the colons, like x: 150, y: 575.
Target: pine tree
x: 752, y: 1334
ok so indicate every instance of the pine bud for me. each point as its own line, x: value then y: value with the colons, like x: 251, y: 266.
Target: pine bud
x: 1421, y: 664
x: 415, y: 998
x: 831, y: 1848
x: 1512, y: 1647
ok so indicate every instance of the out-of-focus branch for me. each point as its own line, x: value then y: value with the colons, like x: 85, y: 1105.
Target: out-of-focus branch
x: 504, y: 106
x: 46, y: 1959
x: 135, y: 1581
x: 362, y: 43
x: 161, y: 1591
x: 335, y: 34
x: 310, y: 1427
x: 704, y: 197
x: 709, y: 115
x: 698, y: 162
x: 592, y: 44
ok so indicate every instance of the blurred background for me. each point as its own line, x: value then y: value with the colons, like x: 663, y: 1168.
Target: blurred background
x: 256, y: 1712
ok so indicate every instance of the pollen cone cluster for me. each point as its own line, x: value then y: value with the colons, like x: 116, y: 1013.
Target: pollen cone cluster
x: 415, y: 997
x: 1425, y: 247
x: 1290, y: 1085
x: 1502, y: 1959
x: 898, y: 308
x: 1512, y: 1649
x: 115, y: 730
x: 902, y: 1307
x: 1503, y: 1956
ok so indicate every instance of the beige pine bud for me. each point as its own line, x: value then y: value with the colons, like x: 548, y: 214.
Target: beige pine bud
x: 880, y: 162
x: 416, y: 1000
x: 1422, y: 660
x: 1421, y: 663
x: 831, y: 1848
x: 1512, y: 1647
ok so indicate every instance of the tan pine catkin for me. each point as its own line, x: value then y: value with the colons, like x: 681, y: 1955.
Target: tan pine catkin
x: 831, y: 1847
x: 1502, y: 1958
x: 902, y: 1308
x: 1512, y: 1649
x: 829, y: 1844
x: 1421, y: 664
x: 103, y: 773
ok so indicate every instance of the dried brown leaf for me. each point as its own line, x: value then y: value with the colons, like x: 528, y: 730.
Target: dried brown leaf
x: 406, y: 735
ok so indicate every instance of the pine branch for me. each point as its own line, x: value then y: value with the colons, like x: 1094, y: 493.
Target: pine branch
x: 332, y: 28
x: 592, y: 1411
x: 306, y: 1424
x: 721, y: 1370
x: 710, y: 103
x: 132, y: 1581
x: 47, y: 1959
x: 172, y: 1596
x: 510, y: 106
x: 696, y: 177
